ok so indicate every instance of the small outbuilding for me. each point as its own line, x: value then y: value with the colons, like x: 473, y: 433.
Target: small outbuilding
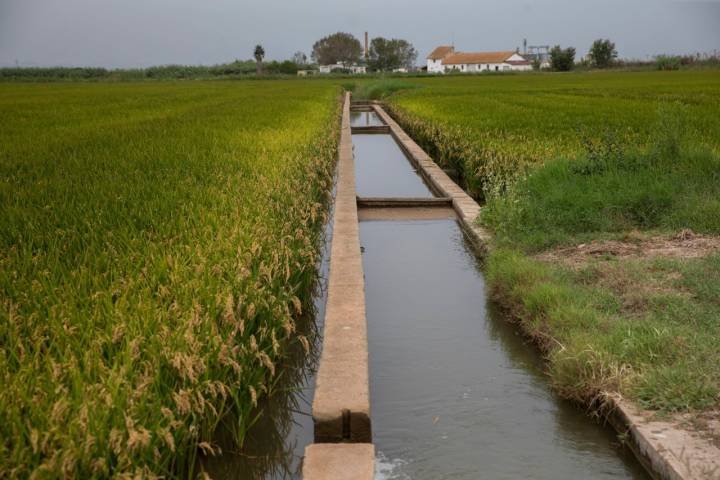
x: 340, y: 67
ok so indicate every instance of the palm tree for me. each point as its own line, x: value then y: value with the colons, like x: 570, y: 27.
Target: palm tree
x: 259, y: 54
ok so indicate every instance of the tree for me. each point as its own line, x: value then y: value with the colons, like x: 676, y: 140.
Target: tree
x: 338, y: 47
x: 299, y: 58
x: 259, y: 54
x: 562, y: 59
x: 602, y: 53
x: 387, y: 55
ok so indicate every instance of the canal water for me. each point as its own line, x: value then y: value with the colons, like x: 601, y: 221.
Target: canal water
x: 455, y: 391
x: 383, y: 170
x: 365, y: 119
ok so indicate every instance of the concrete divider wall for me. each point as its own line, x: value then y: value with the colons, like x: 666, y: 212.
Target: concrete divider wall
x: 339, y: 461
x: 665, y: 450
x: 341, y: 405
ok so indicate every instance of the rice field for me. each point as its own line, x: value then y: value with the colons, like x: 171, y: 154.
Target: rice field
x: 158, y: 243
x: 491, y: 127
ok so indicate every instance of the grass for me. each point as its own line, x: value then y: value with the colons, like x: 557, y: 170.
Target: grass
x: 564, y: 162
x: 643, y: 325
x: 379, y: 89
x: 158, y: 243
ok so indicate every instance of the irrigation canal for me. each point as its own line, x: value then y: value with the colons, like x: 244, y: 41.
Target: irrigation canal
x: 455, y: 392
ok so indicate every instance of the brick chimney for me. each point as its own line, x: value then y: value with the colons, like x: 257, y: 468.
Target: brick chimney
x: 366, y: 45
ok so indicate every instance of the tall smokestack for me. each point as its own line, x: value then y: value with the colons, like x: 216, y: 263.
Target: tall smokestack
x: 366, y: 45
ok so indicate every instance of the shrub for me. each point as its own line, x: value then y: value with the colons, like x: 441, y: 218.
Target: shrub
x: 562, y: 59
x: 667, y: 62
x: 602, y: 53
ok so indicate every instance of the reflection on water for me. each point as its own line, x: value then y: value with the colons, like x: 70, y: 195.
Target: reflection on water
x: 365, y: 119
x: 455, y: 392
x: 275, y: 445
x: 383, y: 170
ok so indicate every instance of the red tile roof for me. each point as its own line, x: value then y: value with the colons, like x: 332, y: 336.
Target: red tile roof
x: 441, y: 52
x: 477, y: 57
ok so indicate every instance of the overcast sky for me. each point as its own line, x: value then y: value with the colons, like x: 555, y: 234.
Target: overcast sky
x: 139, y: 33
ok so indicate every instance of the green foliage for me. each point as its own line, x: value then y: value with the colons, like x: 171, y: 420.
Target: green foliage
x: 258, y: 53
x: 602, y: 53
x: 286, y: 67
x: 667, y: 62
x: 158, y: 244
x: 562, y: 59
x: 162, y: 72
x: 564, y: 201
x: 388, y: 55
x: 379, y: 89
x: 339, y: 47
x: 68, y: 73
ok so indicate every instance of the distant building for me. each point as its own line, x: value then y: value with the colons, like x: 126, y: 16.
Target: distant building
x: 356, y: 69
x: 446, y: 59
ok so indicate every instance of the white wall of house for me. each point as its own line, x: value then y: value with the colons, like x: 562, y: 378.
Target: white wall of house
x: 435, y: 66
x: 485, y: 67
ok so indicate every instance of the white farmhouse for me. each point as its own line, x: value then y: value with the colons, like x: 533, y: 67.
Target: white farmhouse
x: 445, y: 59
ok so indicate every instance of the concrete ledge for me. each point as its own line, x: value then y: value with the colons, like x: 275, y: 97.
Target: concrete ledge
x: 665, y: 450
x: 341, y: 405
x: 403, y: 202
x: 363, y: 103
x: 404, y: 213
x: 379, y: 129
x: 341, y: 461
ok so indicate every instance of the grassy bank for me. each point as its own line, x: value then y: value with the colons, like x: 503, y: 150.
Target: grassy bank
x: 616, y: 275
x: 602, y: 191
x: 158, y: 242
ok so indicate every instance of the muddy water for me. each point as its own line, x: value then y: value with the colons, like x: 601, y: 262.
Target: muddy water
x: 365, y: 119
x: 455, y: 392
x: 383, y: 170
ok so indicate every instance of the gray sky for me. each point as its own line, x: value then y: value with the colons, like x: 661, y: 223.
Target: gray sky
x: 139, y: 33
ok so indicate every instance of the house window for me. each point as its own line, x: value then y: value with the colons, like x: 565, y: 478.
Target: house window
x: 497, y: 68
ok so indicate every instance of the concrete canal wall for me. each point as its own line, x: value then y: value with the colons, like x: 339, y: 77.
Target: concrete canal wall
x: 341, y: 404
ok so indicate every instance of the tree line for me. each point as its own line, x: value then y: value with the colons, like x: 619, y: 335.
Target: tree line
x: 344, y: 50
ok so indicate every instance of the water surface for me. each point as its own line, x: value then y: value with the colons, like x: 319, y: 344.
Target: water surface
x: 383, y: 170
x: 365, y: 119
x: 455, y: 392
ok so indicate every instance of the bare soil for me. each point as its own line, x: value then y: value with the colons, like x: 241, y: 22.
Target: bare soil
x: 684, y: 244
